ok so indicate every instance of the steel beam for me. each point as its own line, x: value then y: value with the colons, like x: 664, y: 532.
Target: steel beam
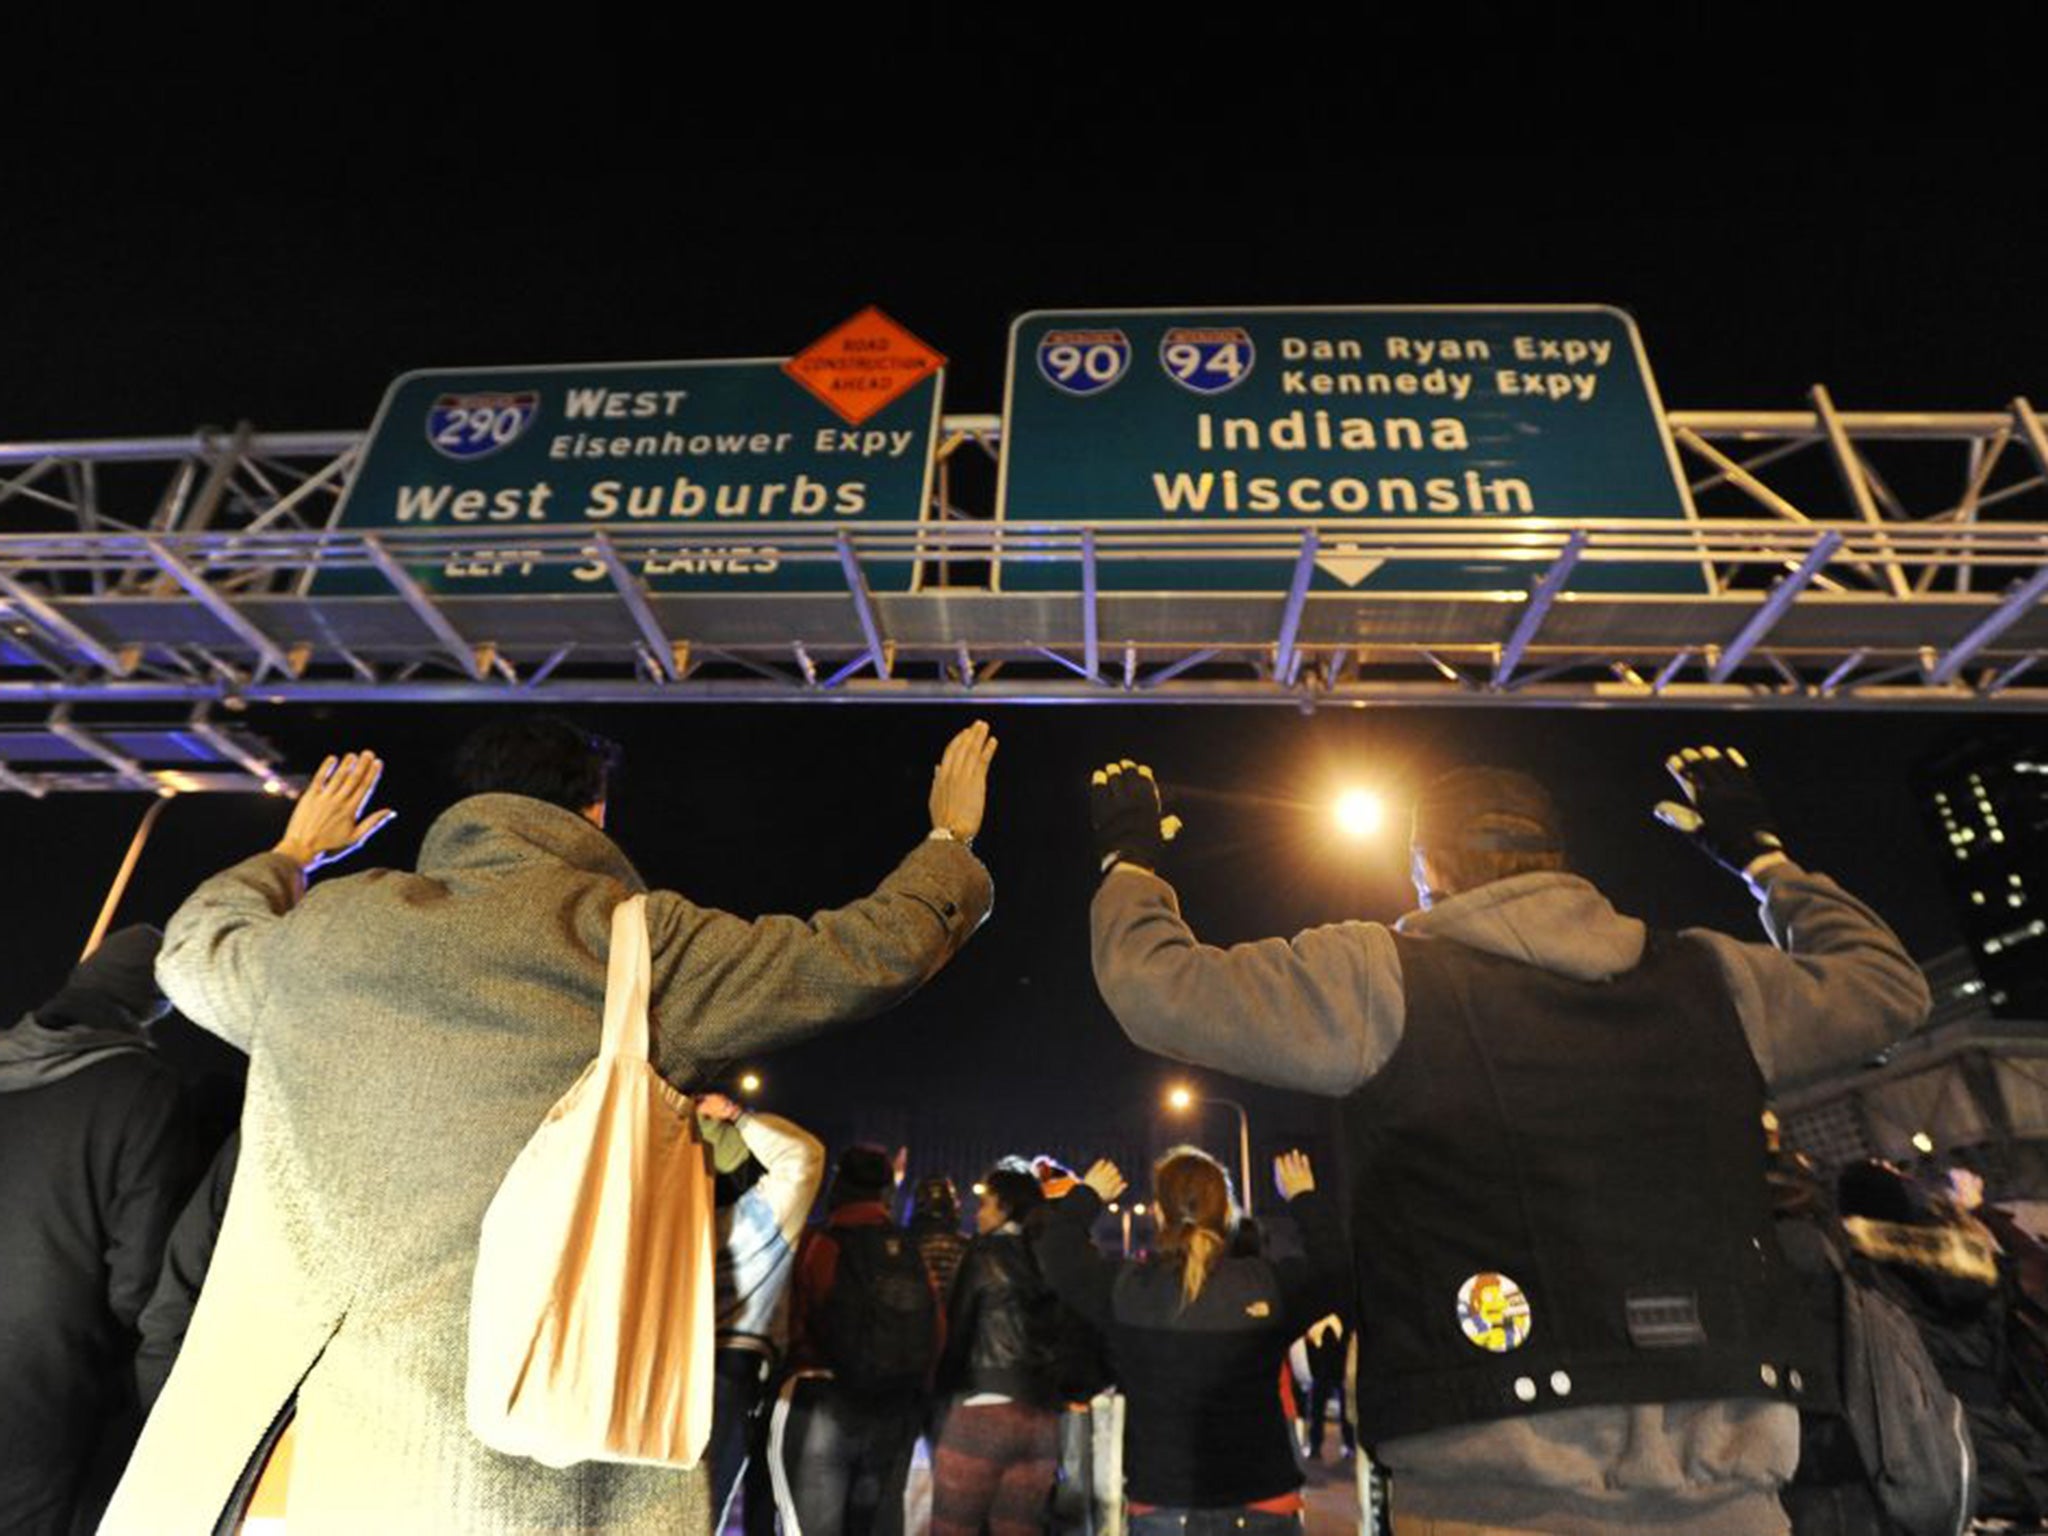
x: 21, y: 784
x: 2018, y: 599
x: 202, y: 726
x: 2012, y: 674
x: 863, y: 604
x: 64, y: 631
x: 1880, y: 692
x: 1537, y: 608
x: 1091, y: 645
x: 1841, y: 669
x: 1783, y: 594
x: 635, y: 598
x: 1850, y: 467
x: 415, y: 597
x: 62, y: 725
x: 1284, y: 660
x: 232, y: 619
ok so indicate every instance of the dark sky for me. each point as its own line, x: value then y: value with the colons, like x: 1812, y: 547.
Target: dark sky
x: 1901, y: 283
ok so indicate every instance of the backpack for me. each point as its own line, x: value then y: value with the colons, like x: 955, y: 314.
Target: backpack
x: 1909, y: 1429
x: 880, y: 1321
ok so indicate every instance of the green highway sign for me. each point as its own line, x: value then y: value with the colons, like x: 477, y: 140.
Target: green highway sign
x: 1224, y: 418
x: 737, y: 446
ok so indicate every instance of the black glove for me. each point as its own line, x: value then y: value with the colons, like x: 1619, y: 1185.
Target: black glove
x: 1123, y: 807
x: 1725, y: 816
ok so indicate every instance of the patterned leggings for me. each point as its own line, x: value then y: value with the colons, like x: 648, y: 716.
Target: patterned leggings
x: 995, y: 1463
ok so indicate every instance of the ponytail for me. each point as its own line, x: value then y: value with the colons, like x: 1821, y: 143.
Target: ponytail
x: 1197, y: 1258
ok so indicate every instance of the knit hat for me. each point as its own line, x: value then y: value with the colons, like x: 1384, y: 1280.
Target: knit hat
x: 1491, y: 809
x: 864, y: 1172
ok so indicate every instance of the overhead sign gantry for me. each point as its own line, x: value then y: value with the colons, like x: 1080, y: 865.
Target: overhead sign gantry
x: 1812, y: 558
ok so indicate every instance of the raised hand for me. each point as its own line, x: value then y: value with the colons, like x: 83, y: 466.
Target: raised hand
x: 1123, y: 807
x: 716, y: 1106
x: 328, y: 822
x: 1724, y: 813
x: 1105, y: 1179
x: 1292, y: 1174
x: 960, y: 782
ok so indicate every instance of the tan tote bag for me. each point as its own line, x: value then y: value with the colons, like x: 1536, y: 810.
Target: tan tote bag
x: 590, y: 1323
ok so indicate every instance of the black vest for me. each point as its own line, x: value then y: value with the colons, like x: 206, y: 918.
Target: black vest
x: 1558, y: 1196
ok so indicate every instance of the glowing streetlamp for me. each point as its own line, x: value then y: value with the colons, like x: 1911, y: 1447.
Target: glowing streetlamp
x: 1360, y: 813
x: 750, y: 1083
x: 1180, y: 1098
x: 1127, y: 1213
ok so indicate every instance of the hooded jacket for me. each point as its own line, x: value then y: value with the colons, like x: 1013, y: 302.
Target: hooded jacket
x: 94, y: 1161
x: 1324, y: 1012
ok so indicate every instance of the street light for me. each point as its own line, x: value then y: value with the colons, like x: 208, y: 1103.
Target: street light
x: 1127, y: 1213
x: 750, y: 1083
x: 1359, y: 813
x: 1182, y: 1098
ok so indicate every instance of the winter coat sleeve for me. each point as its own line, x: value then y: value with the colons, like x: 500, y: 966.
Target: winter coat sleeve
x: 1318, y: 1282
x: 1319, y: 1013
x: 150, y: 1174
x: 793, y: 1164
x: 1071, y: 1263
x: 963, y: 1315
x: 724, y: 986
x: 214, y: 964
x: 1834, y: 986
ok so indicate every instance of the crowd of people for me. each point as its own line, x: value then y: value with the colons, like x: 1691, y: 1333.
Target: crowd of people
x: 1560, y: 1279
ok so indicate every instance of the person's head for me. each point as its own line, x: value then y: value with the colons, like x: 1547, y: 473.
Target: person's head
x: 114, y: 987
x: 1965, y: 1186
x: 1879, y: 1191
x: 543, y: 757
x: 1474, y: 826
x: 936, y: 1202
x: 1195, y: 1215
x: 863, y: 1173
x: 734, y: 1168
x: 1009, y: 1192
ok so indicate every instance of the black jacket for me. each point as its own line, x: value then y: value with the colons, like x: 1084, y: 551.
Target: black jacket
x: 1204, y: 1429
x: 93, y: 1167
x: 998, y: 1324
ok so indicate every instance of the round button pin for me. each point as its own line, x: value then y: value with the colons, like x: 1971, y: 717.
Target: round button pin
x: 1561, y: 1383
x: 1525, y: 1388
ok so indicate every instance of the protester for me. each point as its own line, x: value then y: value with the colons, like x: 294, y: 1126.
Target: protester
x: 1327, y: 1343
x: 768, y: 1172
x: 935, y: 1228
x: 1080, y: 1372
x: 1199, y: 1338
x: 94, y: 1162
x: 1573, y: 1314
x: 1942, y: 1267
x: 997, y: 1452
x: 865, y: 1331
x: 407, y: 1032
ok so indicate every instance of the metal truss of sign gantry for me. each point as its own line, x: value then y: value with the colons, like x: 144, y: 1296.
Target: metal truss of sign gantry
x: 1854, y: 560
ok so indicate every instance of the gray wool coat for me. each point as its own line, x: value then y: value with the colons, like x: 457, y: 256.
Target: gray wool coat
x: 406, y: 1033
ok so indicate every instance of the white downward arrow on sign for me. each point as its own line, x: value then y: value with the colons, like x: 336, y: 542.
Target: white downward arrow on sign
x: 1344, y: 562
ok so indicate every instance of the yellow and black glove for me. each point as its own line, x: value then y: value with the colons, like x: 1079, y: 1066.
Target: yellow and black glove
x: 1724, y: 814
x: 1123, y: 807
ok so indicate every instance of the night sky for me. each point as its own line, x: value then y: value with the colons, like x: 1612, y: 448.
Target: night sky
x: 1904, y: 284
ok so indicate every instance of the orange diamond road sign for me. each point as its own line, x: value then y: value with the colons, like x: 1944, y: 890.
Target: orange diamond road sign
x: 862, y: 365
